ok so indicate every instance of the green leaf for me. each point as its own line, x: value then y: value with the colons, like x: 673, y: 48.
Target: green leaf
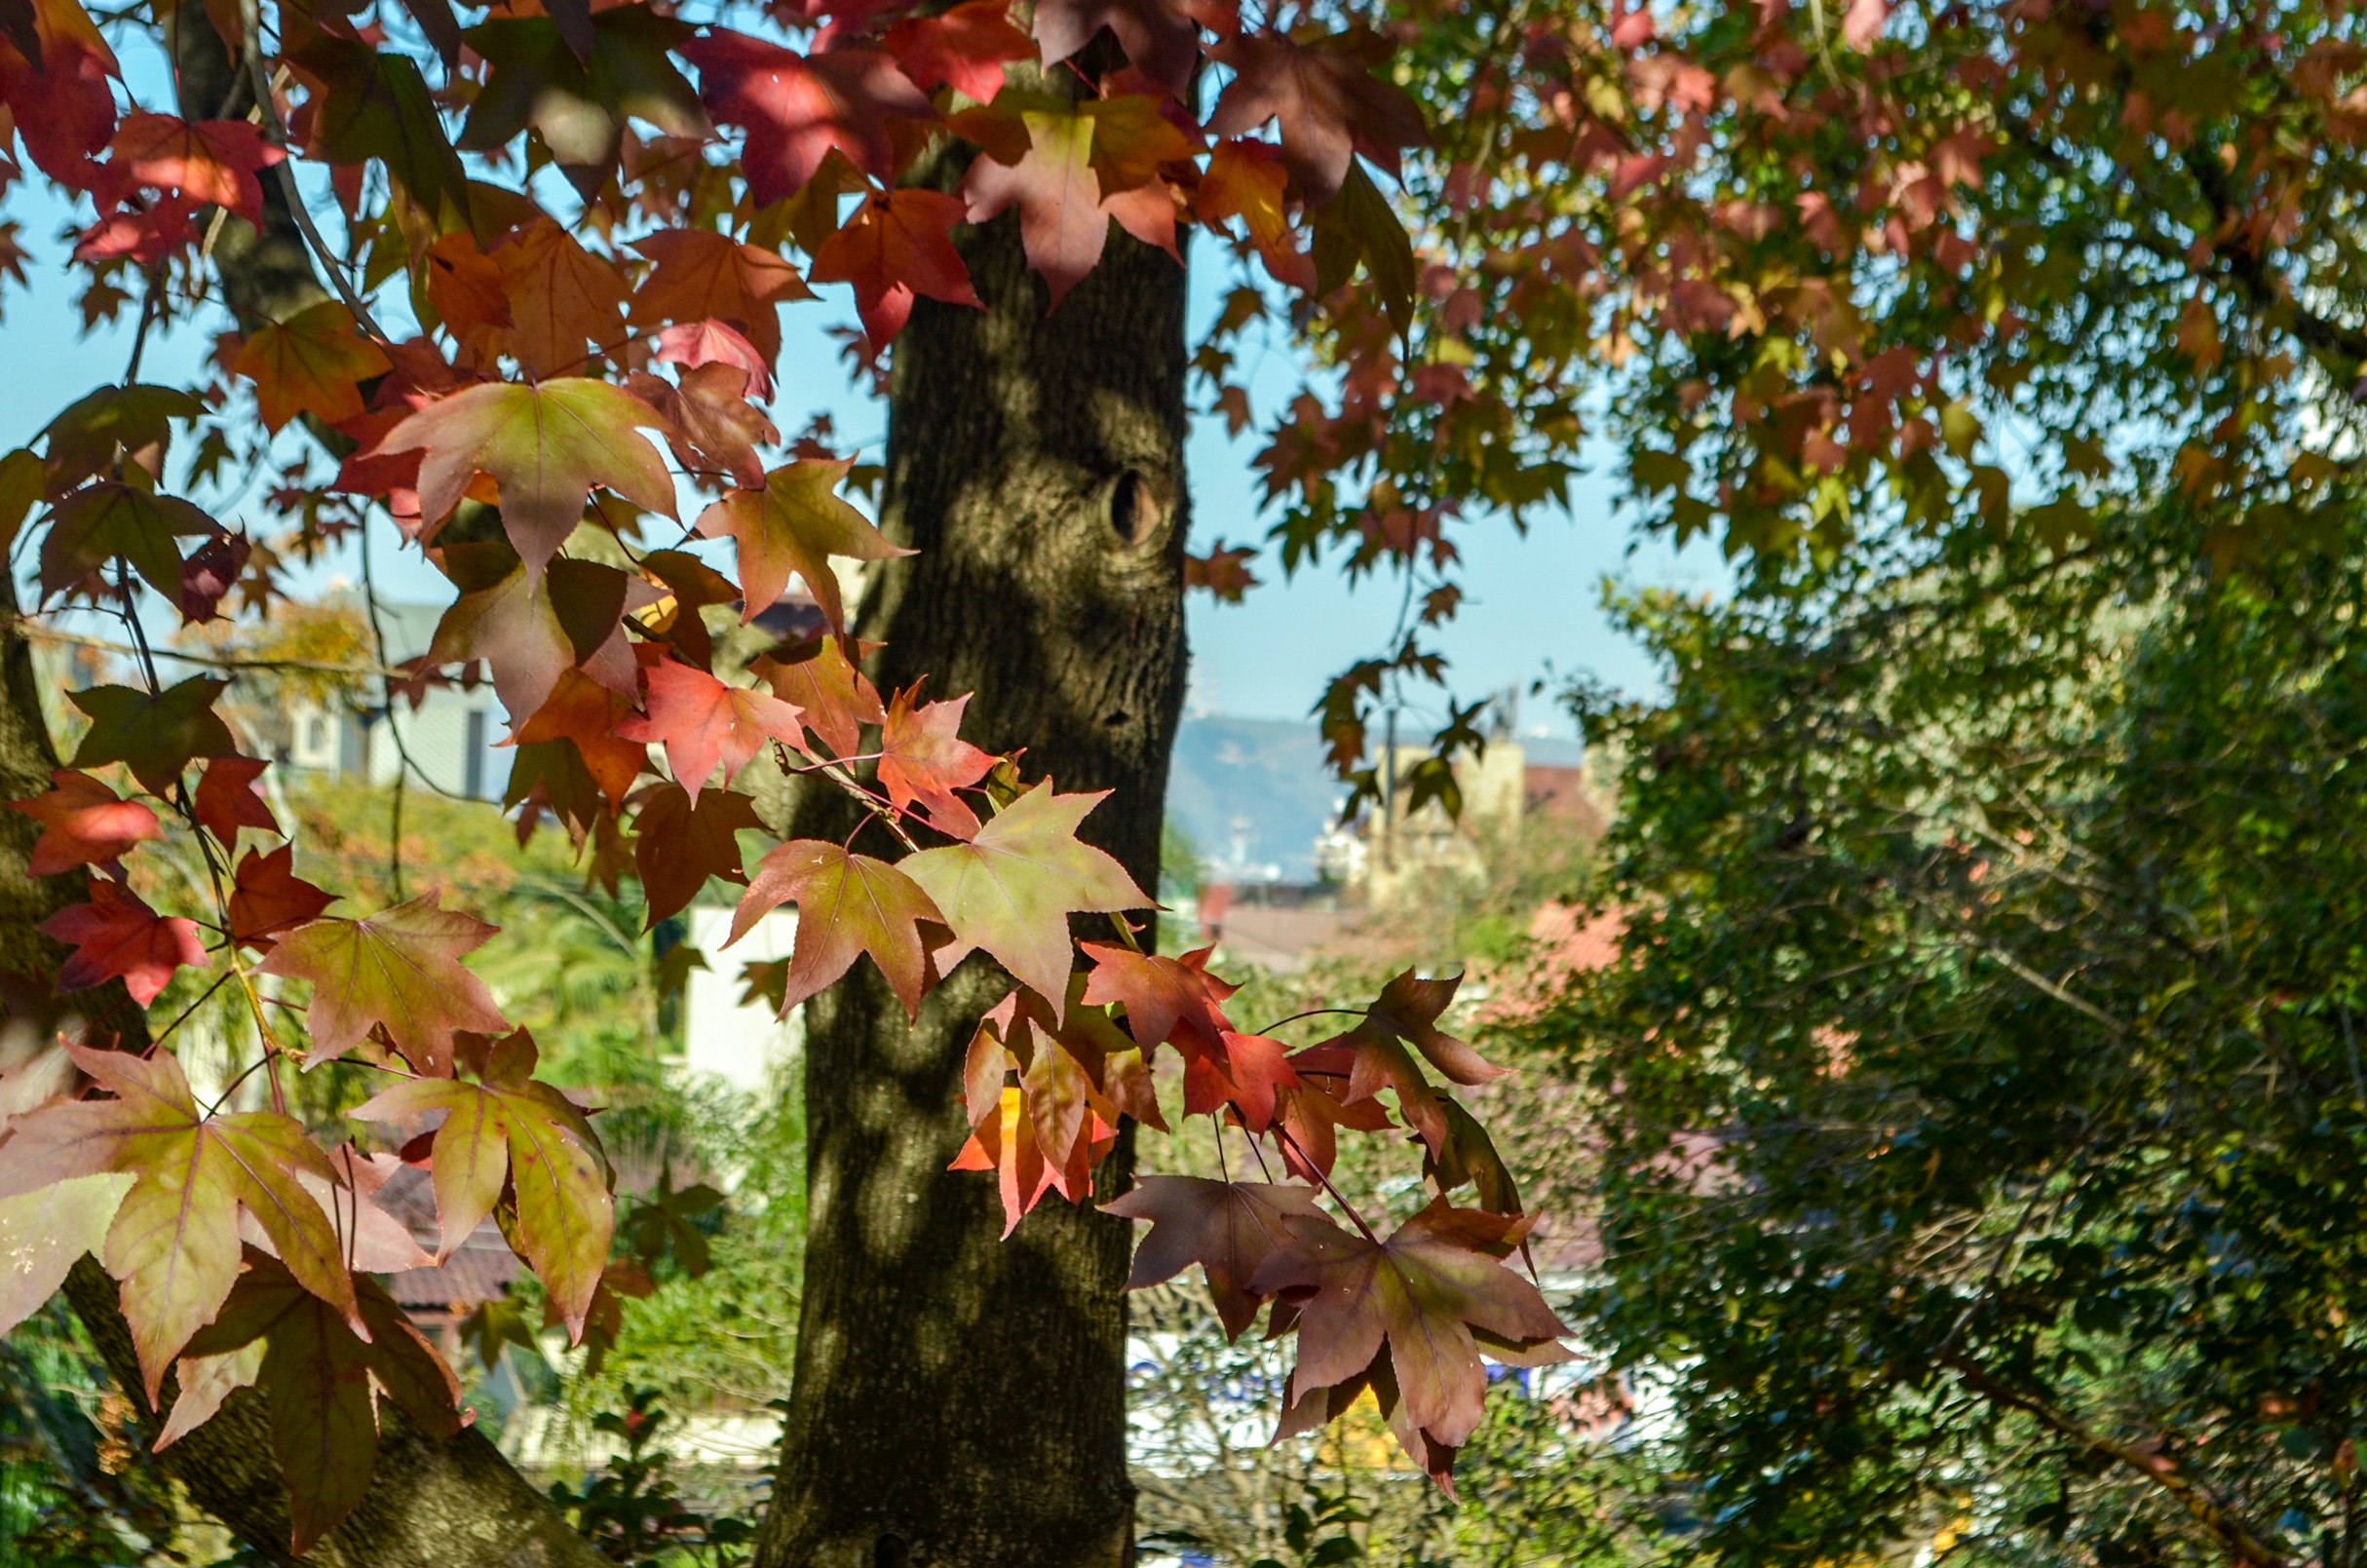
x: 103, y: 520
x: 1011, y: 889
x: 156, y: 736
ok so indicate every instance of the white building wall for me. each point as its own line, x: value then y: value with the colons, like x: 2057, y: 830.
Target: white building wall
x: 746, y: 1047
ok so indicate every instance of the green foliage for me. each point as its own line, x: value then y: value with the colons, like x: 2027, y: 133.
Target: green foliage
x: 1981, y: 1084
x: 632, y: 1511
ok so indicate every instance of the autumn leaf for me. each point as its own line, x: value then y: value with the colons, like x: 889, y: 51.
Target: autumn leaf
x: 1166, y: 999
x: 61, y: 89
x: 175, y: 1243
x: 155, y: 736
x: 703, y: 721
x: 794, y: 525
x: 585, y: 714
x: 529, y: 629
x: 1231, y: 1229
x: 84, y: 822
x: 1011, y: 889
x: 100, y: 521
x: 1406, y: 1014
x: 711, y: 425
x: 1061, y: 224
x: 547, y: 446
x: 1326, y: 101
x: 311, y: 363
x: 847, y: 904
x: 116, y: 936
x: 1224, y: 573
x: 924, y: 759
x: 1158, y: 36
x: 679, y: 843
x: 796, y: 108
x: 267, y: 896
x: 1247, y: 181
x: 561, y: 297
x: 833, y: 696
x: 379, y: 105
x: 898, y: 245
x: 701, y: 275
x: 45, y: 1231
x: 398, y: 969
x: 214, y: 163
x: 466, y: 287
x: 964, y: 47
x: 579, y: 100
x: 1427, y: 1293
x: 230, y: 796
x: 318, y: 1378
x: 510, y: 1127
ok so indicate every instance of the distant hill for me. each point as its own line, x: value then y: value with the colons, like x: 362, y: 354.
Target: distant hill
x: 1254, y: 794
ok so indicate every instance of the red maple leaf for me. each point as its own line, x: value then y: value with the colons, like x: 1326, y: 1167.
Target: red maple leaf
x: 84, y: 822
x: 212, y: 163
x: 898, y: 245
x: 117, y: 936
x: 796, y: 107
x: 267, y: 896
x: 964, y: 47
x: 924, y: 759
x: 230, y: 796
x: 703, y: 721
x: 1231, y: 1229
x: 1166, y: 999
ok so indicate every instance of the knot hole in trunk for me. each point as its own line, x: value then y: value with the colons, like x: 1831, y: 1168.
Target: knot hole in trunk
x: 1135, y: 509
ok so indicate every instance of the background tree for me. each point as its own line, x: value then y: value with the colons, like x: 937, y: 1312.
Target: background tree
x: 542, y: 346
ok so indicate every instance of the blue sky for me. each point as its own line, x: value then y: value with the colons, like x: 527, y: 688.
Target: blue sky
x: 1533, y: 606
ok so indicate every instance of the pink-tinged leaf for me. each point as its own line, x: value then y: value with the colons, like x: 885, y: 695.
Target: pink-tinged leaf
x: 1330, y: 101
x: 1061, y: 224
x: 546, y: 447
x: 45, y: 1231
x: 703, y: 721
x: 847, y: 905
x: 1011, y: 888
x: 512, y: 1127
x: 84, y: 822
x: 1231, y: 1229
x: 398, y: 969
x: 116, y: 936
x: 1160, y: 36
x: 796, y: 107
x: 175, y: 1242
x: 1425, y: 1292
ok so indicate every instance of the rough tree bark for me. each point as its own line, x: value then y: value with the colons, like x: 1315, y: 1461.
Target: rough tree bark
x: 960, y: 1398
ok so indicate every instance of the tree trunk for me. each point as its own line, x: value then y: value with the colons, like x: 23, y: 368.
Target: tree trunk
x: 960, y: 1398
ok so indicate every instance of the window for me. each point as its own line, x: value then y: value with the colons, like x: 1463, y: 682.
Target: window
x: 473, y: 752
